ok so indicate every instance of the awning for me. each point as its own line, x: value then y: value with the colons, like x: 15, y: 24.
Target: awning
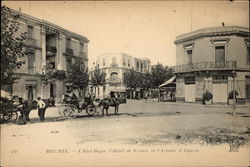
x: 171, y: 80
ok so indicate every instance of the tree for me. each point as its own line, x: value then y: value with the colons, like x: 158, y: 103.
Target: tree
x: 160, y: 74
x: 146, y: 81
x: 131, y: 78
x: 77, y: 75
x: 13, y: 47
x: 97, y: 77
x: 49, y: 75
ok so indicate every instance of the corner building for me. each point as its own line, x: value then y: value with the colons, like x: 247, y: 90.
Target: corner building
x: 115, y: 65
x: 51, y: 43
x: 214, y: 59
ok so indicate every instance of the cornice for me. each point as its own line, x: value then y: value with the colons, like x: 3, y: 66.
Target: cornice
x: 50, y: 26
x: 212, y: 32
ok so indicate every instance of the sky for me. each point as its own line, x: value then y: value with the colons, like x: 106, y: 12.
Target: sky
x: 138, y: 28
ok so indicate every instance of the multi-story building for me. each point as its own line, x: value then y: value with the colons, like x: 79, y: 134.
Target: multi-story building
x: 115, y: 65
x: 47, y: 42
x: 214, y: 59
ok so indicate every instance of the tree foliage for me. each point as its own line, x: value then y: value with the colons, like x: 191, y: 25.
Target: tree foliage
x: 13, y: 47
x: 77, y: 75
x: 131, y: 78
x: 152, y: 79
x: 97, y: 77
x: 49, y: 75
x: 160, y: 74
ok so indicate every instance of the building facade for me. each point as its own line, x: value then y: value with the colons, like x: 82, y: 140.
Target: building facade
x: 115, y: 65
x: 47, y: 42
x: 215, y: 60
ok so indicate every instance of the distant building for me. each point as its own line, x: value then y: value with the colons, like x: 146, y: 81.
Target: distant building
x: 210, y: 59
x: 115, y: 65
x: 47, y: 42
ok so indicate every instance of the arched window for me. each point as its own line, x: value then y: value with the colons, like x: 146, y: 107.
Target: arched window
x: 114, y: 76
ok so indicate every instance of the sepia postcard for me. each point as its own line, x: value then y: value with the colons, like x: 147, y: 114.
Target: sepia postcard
x: 125, y: 83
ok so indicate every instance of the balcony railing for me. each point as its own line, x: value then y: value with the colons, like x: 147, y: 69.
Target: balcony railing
x: 51, y: 50
x: 31, y: 42
x: 83, y: 55
x: 114, y: 82
x: 69, y: 52
x: 205, y: 66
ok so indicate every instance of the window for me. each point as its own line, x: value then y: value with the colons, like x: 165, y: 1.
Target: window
x: 30, y: 31
x: 31, y: 63
x: 138, y: 66
x: 248, y: 55
x: 68, y: 43
x: 190, y: 59
x: 114, y: 76
x: 53, y: 64
x: 128, y: 63
x: 113, y: 60
x: 190, y: 80
x: 219, y: 56
x: 124, y: 62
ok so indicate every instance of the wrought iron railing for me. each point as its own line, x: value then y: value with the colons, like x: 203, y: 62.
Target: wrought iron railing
x: 69, y: 52
x: 205, y: 66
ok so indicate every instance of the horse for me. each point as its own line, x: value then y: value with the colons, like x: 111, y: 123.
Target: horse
x: 109, y: 102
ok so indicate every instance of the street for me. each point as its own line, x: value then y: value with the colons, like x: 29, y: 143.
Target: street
x: 138, y: 124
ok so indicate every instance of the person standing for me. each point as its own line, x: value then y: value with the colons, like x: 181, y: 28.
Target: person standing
x: 41, y: 108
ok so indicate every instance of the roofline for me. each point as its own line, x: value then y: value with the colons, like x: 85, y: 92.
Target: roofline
x: 49, y: 24
x: 213, y: 31
x: 123, y: 54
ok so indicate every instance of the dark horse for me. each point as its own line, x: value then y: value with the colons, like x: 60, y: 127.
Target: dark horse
x: 109, y: 102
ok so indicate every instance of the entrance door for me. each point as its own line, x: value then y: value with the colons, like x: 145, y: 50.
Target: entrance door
x: 219, y: 92
x: 30, y: 93
x: 189, y: 92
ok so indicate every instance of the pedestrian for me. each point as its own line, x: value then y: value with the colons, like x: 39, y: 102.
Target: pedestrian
x: 41, y: 108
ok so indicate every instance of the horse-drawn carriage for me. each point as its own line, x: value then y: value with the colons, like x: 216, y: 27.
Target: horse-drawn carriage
x: 72, y: 107
x: 9, y: 111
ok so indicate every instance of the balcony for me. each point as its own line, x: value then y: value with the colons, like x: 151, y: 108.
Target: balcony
x: 69, y: 52
x: 31, y: 42
x: 51, y: 50
x: 83, y: 55
x: 228, y: 65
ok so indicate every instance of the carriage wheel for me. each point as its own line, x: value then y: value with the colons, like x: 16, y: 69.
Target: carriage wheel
x: 14, y: 116
x: 70, y: 111
x: 6, y: 115
x: 61, y: 110
x: 91, y: 111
